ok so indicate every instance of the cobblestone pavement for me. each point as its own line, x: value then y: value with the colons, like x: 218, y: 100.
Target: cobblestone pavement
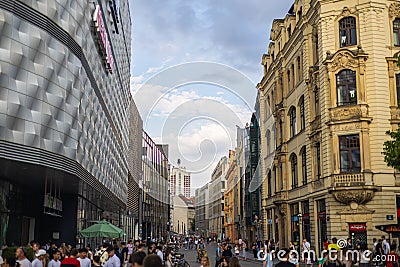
x: 190, y: 256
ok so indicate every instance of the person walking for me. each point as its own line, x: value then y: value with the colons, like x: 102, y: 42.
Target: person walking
x: 55, y: 261
x: 71, y: 261
x: 38, y: 261
x: 113, y: 260
x: 268, y: 260
x: 218, y: 254
x: 20, y: 254
x: 83, y: 259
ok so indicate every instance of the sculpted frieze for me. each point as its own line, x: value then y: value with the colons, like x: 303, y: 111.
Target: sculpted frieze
x: 394, y: 10
x: 346, y: 127
x: 342, y: 60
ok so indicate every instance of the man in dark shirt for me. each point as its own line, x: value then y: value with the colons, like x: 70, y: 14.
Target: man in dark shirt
x: 284, y: 259
x: 124, y: 252
x: 71, y: 261
x: 152, y: 261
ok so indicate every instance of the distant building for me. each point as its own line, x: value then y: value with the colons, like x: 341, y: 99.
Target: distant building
x: 180, y: 181
x: 202, y: 212
x: 183, y: 215
x: 216, y: 207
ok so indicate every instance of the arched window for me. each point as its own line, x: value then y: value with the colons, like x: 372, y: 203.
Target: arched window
x: 269, y: 184
x: 299, y: 71
x: 347, y: 31
x: 293, y: 163
x: 346, y: 88
x: 304, y: 165
x: 268, y: 142
x: 396, y: 32
x: 302, y: 114
x: 292, y: 119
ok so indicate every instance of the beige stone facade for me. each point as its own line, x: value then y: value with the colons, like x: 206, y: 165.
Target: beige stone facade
x: 329, y: 93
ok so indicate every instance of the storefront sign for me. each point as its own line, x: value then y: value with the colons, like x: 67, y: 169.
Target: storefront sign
x: 392, y: 228
x: 52, y: 202
x: 358, y: 227
x: 104, y: 41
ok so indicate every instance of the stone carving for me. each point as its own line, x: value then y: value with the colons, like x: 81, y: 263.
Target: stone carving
x: 361, y: 209
x: 395, y: 113
x: 358, y: 196
x: 347, y: 11
x: 346, y: 127
x: 342, y: 60
x: 394, y: 10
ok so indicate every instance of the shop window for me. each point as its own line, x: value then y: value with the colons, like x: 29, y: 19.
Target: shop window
x: 346, y: 88
x: 396, y: 32
x: 293, y: 163
x: 305, y: 206
x: 292, y: 119
x: 350, y: 160
x: 347, y: 31
x: 322, y: 225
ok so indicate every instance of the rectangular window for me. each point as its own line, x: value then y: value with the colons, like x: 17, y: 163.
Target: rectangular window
x: 318, y: 159
x: 398, y: 89
x: 396, y: 32
x: 350, y: 161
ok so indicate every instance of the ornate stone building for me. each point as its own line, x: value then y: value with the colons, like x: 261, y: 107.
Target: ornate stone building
x: 330, y: 91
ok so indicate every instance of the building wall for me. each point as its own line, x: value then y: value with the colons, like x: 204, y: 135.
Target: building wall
x: 180, y: 181
x: 202, y: 210
x: 364, y: 196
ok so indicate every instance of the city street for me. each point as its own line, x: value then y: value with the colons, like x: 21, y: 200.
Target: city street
x: 190, y: 256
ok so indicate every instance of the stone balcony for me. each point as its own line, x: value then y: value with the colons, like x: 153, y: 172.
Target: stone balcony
x: 350, y: 188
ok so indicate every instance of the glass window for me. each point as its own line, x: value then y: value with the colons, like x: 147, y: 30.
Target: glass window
x: 268, y: 142
x: 269, y: 184
x: 350, y: 160
x: 292, y: 117
x: 398, y: 88
x: 293, y: 163
x: 304, y: 165
x: 347, y: 31
x: 346, y: 88
x: 281, y: 131
x: 318, y: 159
x: 302, y: 114
x: 288, y: 80
x: 316, y: 101
x: 396, y: 32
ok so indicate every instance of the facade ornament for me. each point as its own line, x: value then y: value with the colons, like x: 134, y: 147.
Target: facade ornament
x: 346, y: 127
x: 355, y: 209
x: 343, y: 59
x: 357, y: 196
x: 394, y: 10
x: 347, y: 11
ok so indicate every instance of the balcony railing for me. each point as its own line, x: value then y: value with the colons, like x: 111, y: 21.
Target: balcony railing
x: 349, y: 179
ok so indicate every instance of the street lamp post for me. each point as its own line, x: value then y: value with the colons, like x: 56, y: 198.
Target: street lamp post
x: 300, y: 216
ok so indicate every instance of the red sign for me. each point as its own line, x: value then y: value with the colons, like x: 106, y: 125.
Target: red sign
x: 105, y: 43
x: 392, y: 229
x: 358, y: 227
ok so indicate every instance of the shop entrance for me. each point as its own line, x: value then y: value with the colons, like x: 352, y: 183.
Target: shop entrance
x: 28, y: 230
x: 358, y: 231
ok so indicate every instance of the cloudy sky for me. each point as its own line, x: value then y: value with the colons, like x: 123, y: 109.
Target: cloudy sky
x: 195, y: 65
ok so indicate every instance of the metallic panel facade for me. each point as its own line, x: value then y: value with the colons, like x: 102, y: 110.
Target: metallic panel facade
x: 56, y: 95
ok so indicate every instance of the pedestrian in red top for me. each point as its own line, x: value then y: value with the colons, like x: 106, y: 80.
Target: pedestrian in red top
x: 392, y: 259
x: 71, y: 261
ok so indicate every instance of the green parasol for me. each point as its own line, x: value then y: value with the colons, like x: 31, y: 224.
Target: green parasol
x: 102, y: 229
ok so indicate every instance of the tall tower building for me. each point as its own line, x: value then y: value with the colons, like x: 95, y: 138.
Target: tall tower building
x: 180, y: 181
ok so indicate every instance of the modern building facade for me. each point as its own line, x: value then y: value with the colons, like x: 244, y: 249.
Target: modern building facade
x: 155, y: 197
x: 202, y: 210
x: 329, y: 93
x: 179, y: 181
x: 216, y: 194
x: 65, y: 118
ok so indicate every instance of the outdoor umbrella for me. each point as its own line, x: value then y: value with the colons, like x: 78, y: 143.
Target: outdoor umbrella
x: 102, y: 229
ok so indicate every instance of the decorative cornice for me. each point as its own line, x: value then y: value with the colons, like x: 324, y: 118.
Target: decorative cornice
x: 394, y: 10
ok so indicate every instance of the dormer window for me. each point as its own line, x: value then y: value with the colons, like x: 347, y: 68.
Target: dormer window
x: 347, y: 32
